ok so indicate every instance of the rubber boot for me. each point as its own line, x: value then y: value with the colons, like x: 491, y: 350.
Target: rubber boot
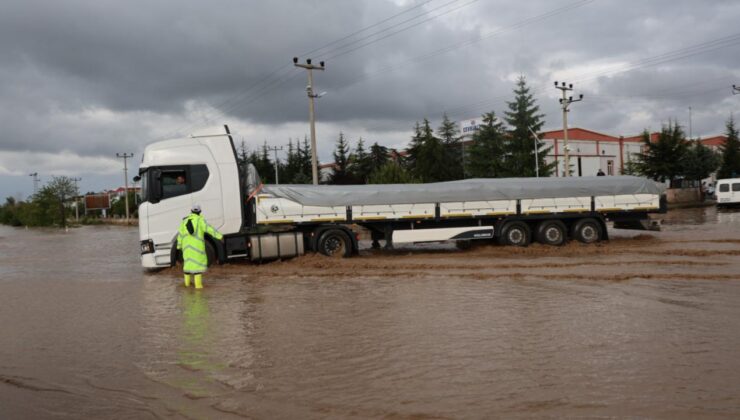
x: 187, y: 280
x: 198, y: 281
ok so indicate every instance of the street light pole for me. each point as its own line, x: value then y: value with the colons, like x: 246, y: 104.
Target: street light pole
x: 36, y: 180
x: 125, y: 156
x: 536, y: 152
x: 77, y: 193
x: 565, y: 102
x: 311, y: 116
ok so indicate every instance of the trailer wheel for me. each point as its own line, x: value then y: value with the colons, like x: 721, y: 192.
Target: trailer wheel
x: 587, y: 231
x: 335, y: 243
x: 551, y: 232
x: 515, y: 234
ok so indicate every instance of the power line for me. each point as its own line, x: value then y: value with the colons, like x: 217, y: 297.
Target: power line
x: 275, y: 78
x: 365, y: 28
x: 398, y: 31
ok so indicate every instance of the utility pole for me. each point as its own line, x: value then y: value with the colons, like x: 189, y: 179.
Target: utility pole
x: 311, y: 116
x: 36, y: 180
x: 690, y: 127
x: 565, y: 101
x: 735, y: 90
x: 536, y: 152
x: 77, y: 193
x: 275, y: 150
x: 125, y: 156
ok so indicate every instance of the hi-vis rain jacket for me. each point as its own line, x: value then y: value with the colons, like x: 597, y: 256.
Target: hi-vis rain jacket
x: 190, y: 239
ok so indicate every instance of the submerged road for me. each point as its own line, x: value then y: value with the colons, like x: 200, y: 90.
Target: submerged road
x: 646, y: 325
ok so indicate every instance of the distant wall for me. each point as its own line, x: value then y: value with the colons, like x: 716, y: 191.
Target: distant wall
x: 683, y: 195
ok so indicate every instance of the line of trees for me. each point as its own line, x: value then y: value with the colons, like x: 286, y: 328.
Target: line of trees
x: 496, y: 150
x: 675, y: 159
x: 47, y: 207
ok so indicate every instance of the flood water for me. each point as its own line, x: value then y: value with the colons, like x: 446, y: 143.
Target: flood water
x: 646, y: 325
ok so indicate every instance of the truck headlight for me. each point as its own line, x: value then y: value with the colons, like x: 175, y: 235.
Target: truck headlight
x: 147, y: 247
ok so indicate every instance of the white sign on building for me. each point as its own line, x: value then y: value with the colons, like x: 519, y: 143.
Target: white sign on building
x: 470, y: 126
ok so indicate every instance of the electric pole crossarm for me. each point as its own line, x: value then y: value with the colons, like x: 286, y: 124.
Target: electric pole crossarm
x: 735, y: 90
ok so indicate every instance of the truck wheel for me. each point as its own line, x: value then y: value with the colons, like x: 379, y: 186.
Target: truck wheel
x: 587, y: 231
x: 551, y: 232
x: 335, y: 243
x: 515, y: 234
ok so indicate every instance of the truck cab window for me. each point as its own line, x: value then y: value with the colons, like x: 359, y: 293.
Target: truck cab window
x: 198, y: 177
x: 174, y: 183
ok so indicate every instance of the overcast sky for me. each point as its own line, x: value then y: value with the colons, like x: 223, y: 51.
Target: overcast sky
x: 82, y: 80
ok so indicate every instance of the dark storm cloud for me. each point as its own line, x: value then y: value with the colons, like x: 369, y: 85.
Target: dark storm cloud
x: 96, y: 77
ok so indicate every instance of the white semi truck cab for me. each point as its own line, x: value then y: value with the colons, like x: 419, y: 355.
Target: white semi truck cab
x: 265, y: 222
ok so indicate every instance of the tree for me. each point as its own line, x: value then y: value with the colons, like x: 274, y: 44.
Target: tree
x: 486, y: 155
x: 378, y: 156
x: 730, y: 161
x: 263, y: 164
x: 242, y: 154
x: 9, y: 212
x: 699, y: 162
x: 661, y: 160
x: 118, y: 208
x: 426, y: 155
x: 341, y: 174
x: 449, y: 133
x: 48, y: 206
x: 391, y: 173
x: 361, y: 164
x: 523, y: 118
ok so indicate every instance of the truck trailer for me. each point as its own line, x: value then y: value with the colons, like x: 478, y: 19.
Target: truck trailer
x: 266, y: 222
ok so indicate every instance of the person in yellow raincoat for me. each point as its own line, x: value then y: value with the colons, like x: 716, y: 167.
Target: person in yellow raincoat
x: 191, y: 240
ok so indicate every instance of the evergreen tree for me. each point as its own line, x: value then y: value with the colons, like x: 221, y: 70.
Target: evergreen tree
x: 291, y: 169
x: 263, y: 164
x: 730, y: 153
x: 361, y: 165
x: 391, y: 173
x: 242, y: 154
x: 341, y: 174
x: 524, y: 117
x: 305, y: 162
x: 661, y: 160
x: 379, y: 156
x: 486, y: 157
x: 426, y: 155
x: 414, y: 148
x: 449, y: 133
x: 699, y: 162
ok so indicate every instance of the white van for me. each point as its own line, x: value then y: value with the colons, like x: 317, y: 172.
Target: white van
x: 728, y: 192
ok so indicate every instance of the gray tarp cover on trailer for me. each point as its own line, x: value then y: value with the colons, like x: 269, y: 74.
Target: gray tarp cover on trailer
x: 480, y: 189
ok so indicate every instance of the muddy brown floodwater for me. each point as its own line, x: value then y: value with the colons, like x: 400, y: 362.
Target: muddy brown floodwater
x: 646, y: 325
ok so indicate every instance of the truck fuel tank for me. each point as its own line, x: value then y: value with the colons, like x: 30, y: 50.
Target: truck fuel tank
x: 271, y: 246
